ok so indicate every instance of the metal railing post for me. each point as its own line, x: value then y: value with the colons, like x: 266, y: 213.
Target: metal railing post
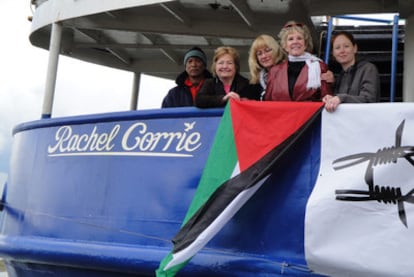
x: 394, y: 57
x: 54, y: 50
x: 328, y: 41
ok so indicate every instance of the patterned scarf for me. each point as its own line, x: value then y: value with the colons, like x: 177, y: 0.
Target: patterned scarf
x: 263, y: 82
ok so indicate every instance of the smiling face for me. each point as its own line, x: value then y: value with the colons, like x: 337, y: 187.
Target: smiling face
x: 225, y: 67
x: 344, y: 51
x: 265, y: 57
x: 295, y: 44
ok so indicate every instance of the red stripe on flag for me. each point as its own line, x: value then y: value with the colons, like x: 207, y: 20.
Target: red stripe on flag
x: 261, y: 126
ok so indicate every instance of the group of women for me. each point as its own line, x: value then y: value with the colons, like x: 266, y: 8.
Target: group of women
x: 289, y: 72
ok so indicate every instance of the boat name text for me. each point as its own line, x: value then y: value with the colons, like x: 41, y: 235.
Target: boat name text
x: 137, y: 138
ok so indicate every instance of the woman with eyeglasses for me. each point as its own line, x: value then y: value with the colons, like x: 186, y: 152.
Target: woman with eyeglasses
x: 300, y: 76
x: 358, y: 81
x: 227, y: 82
x: 264, y: 53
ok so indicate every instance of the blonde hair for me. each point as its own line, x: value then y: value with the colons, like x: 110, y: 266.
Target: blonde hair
x: 293, y: 26
x: 263, y: 41
x: 223, y: 50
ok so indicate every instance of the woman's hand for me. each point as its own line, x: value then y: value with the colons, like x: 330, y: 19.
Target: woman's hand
x: 331, y: 102
x: 232, y: 95
x: 328, y: 77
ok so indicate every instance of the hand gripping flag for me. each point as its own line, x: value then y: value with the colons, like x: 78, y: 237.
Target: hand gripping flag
x: 250, y: 139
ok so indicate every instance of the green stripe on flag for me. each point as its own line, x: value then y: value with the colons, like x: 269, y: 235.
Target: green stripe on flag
x: 219, y: 166
x: 218, y: 169
x: 160, y: 272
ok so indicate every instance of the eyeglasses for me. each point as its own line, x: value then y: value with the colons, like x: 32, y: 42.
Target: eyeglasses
x: 293, y: 25
x: 264, y: 51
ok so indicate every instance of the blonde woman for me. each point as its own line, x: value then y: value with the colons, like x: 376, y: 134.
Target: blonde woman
x: 298, y: 78
x: 227, y: 83
x: 264, y: 53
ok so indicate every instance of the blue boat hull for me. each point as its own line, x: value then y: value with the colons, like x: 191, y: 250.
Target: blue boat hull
x: 103, y: 195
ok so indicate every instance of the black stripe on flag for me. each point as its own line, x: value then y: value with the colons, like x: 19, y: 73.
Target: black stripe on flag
x: 227, y: 192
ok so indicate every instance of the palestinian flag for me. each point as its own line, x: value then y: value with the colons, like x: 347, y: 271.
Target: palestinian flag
x: 250, y: 139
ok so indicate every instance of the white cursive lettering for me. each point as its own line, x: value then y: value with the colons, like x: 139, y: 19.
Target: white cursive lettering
x: 67, y: 141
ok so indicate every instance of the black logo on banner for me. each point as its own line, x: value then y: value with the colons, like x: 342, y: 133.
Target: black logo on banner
x: 382, y: 194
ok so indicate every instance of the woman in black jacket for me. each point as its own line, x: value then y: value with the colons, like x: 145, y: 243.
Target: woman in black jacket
x: 227, y: 82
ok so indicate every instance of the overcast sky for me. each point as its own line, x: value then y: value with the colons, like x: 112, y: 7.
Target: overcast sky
x: 80, y: 88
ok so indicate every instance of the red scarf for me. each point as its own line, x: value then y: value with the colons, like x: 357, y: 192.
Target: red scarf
x: 193, y: 88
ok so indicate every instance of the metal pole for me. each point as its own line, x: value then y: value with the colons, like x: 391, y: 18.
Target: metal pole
x: 408, y: 80
x: 394, y: 58
x: 363, y: 19
x: 328, y: 41
x: 135, y: 91
x: 54, y: 50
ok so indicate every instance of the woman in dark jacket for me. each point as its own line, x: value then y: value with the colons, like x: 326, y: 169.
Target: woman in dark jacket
x: 227, y: 82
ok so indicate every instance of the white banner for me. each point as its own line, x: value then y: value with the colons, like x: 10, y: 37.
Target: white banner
x: 360, y: 216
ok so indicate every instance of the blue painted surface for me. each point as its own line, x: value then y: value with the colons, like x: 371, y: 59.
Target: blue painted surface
x: 113, y: 213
